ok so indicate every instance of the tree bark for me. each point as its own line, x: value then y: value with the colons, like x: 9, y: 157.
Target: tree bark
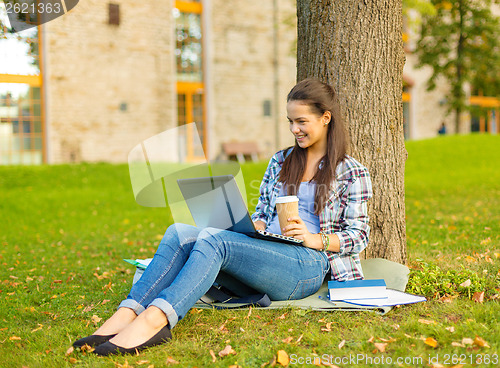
x: 357, y: 47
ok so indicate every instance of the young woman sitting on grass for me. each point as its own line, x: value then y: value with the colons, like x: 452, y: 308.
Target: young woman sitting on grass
x: 332, y: 188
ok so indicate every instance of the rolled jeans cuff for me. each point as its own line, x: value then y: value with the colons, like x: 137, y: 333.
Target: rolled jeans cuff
x: 169, y: 311
x: 132, y: 304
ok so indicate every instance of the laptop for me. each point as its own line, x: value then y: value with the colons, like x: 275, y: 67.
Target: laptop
x: 216, y: 201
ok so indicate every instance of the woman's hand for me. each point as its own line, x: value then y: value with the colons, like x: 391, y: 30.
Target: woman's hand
x: 260, y: 225
x: 297, y: 229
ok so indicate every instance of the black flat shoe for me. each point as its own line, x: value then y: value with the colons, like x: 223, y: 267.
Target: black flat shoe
x: 108, y: 348
x: 93, y: 340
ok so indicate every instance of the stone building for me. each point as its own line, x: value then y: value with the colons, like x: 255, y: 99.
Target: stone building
x: 93, y: 83
x: 109, y: 75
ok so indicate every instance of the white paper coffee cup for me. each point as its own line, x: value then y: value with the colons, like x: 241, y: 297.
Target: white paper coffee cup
x: 286, y: 207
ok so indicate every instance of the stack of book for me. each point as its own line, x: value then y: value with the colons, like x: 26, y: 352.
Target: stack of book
x: 357, y: 289
x: 369, y: 293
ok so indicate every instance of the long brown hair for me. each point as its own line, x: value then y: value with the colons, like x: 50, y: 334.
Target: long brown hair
x: 320, y: 97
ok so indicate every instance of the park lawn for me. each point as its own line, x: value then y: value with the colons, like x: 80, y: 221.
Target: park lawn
x: 66, y: 228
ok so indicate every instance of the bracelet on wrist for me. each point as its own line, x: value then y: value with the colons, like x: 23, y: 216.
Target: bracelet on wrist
x: 325, y: 240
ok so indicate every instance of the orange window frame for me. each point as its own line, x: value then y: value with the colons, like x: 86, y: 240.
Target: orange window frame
x: 189, y: 89
x: 33, y: 81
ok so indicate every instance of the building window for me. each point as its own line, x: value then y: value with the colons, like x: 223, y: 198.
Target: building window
x: 190, y: 86
x: 22, y: 133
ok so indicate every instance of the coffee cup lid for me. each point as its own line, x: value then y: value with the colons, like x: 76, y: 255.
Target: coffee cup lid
x: 287, y: 199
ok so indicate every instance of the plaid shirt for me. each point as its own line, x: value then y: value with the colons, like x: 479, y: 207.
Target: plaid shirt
x: 345, y: 213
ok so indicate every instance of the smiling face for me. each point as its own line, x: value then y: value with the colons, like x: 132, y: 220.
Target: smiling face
x: 308, y: 127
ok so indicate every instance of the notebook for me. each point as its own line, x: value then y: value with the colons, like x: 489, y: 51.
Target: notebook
x: 216, y: 201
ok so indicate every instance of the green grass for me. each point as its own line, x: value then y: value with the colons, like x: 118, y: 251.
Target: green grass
x: 66, y: 228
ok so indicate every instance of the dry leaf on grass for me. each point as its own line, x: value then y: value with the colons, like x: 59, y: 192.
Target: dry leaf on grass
x: 124, y: 365
x: 141, y: 362
x: 87, y: 349
x: 466, y: 283
x: 212, y: 354
x: 171, y: 360
x: 14, y: 338
x: 426, y: 321
x: 431, y: 342
x: 391, y: 339
x: 70, y: 351
x: 95, y: 319
x: 467, y: 341
x: 342, y: 343
x: 478, y: 296
x: 380, y: 346
x: 283, y: 358
x: 478, y: 341
x: 40, y: 326
x: 451, y: 329
x: 227, y: 351
x: 288, y: 340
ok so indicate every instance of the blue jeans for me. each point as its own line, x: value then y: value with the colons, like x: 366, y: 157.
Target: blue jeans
x: 189, y: 259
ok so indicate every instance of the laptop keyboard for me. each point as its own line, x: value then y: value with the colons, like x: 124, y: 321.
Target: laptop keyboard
x: 279, y: 236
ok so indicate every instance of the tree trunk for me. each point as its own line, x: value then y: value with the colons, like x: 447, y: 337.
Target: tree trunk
x: 357, y: 47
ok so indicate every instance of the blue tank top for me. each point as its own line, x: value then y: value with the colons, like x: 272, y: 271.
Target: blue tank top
x: 305, y: 194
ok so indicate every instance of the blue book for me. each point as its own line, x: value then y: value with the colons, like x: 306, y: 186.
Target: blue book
x: 357, y: 289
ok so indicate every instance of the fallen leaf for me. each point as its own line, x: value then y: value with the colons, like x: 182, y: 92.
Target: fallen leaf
x: 342, y: 343
x: 13, y: 338
x: 437, y: 365
x: 212, y: 354
x: 171, y: 360
x: 391, y: 339
x: 328, y: 327
x: 73, y: 360
x: 223, y: 328
x: 451, y: 328
x: 70, y: 351
x: 300, y: 338
x: 124, y: 365
x: 87, y: 348
x: 431, y: 342
x: 380, y: 346
x: 478, y: 341
x: 95, y: 319
x: 426, y: 321
x: 235, y: 366
x: 249, y: 312
x: 467, y: 341
x: 227, y: 351
x: 40, y: 326
x: 283, y: 358
x: 448, y: 298
x: 288, y: 340
x: 457, y: 344
x: 283, y: 316
x: 466, y: 283
x: 371, y: 339
x: 478, y: 296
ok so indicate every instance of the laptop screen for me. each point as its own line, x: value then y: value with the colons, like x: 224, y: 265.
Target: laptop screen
x: 216, y: 202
